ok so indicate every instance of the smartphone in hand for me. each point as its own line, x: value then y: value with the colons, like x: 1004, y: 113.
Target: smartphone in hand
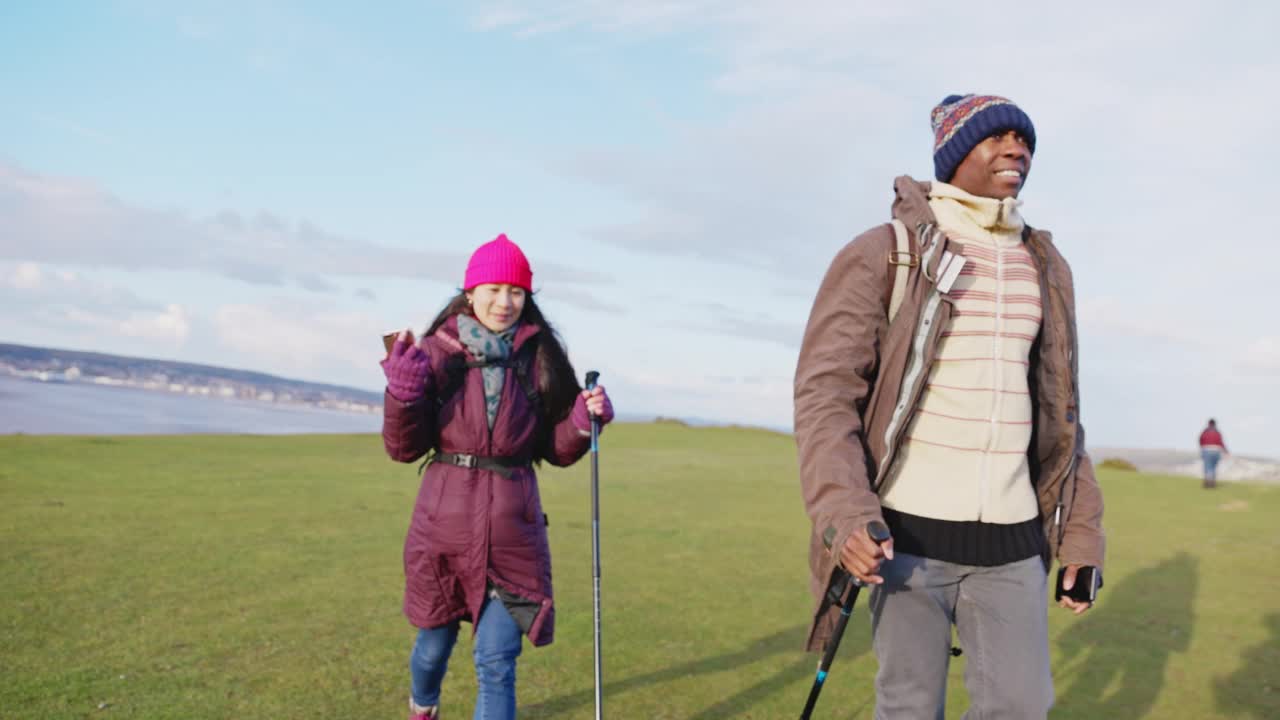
x: 389, y: 339
x: 1085, y: 589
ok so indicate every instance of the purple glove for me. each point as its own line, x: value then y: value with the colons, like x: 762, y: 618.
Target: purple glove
x: 407, y: 369
x: 581, y: 416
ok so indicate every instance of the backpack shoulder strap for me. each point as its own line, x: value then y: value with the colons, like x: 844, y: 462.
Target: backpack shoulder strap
x: 527, y: 377
x: 455, y: 371
x: 521, y: 364
x: 902, y: 260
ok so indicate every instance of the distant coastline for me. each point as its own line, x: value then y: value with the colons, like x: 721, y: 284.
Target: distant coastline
x: 52, y: 365
x: 32, y: 407
x: 163, y: 396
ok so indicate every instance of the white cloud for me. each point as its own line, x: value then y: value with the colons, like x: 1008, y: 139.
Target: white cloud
x: 571, y: 296
x: 771, y: 188
x: 68, y: 221
x: 169, y: 327
x: 77, y: 303
x: 26, y: 276
x: 822, y: 106
x: 1116, y: 317
x: 171, y: 324
x: 303, y: 337
x: 746, y: 323
x: 296, y: 338
x: 1153, y: 170
x: 29, y: 285
x: 1262, y: 354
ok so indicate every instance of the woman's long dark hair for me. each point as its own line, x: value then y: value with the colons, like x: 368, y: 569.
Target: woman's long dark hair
x: 558, y: 386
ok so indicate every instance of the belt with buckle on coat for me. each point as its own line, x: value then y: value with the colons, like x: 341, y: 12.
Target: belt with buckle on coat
x: 499, y: 464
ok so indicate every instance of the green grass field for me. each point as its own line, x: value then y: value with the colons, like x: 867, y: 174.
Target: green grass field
x: 259, y: 577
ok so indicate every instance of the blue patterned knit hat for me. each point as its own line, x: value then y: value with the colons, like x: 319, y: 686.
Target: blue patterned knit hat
x: 960, y: 122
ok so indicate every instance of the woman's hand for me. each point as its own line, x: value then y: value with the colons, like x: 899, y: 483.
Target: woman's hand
x: 407, y: 369
x: 593, y: 402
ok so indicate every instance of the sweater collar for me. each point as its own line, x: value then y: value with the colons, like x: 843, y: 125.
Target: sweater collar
x: 996, y: 216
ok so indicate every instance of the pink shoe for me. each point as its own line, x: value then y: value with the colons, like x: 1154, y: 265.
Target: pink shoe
x: 417, y: 712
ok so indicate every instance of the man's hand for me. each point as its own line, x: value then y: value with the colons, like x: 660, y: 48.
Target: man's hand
x: 1068, y: 582
x: 862, y: 557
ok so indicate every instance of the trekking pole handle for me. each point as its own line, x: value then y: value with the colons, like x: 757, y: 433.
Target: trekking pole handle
x: 876, y: 530
x: 592, y: 377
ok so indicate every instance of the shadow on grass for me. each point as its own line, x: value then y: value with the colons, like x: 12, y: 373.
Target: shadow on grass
x: 783, y: 642
x: 1254, y: 690
x: 1117, y: 654
x: 802, y: 669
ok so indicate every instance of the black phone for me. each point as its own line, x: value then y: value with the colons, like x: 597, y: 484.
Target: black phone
x: 1085, y: 589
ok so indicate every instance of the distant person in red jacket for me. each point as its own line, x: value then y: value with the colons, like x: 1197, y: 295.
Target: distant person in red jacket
x: 1211, y: 451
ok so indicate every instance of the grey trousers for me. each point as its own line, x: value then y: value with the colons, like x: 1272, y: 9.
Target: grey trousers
x: 1000, y: 614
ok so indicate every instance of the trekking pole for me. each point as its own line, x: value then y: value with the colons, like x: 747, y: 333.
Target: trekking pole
x: 592, y: 376
x: 878, y: 533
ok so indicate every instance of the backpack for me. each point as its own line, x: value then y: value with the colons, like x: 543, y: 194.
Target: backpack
x: 456, y: 369
x: 522, y: 363
x: 903, y: 260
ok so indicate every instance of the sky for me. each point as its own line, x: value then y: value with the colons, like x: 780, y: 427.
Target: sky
x: 273, y: 185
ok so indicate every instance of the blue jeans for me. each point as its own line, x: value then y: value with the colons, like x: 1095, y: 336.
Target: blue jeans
x: 498, y: 644
x: 1211, y: 457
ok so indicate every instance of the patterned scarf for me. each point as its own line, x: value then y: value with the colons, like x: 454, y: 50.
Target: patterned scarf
x: 484, y: 344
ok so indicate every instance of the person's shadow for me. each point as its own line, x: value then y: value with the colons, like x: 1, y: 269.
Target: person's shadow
x: 1254, y: 689
x: 782, y: 643
x: 1113, y: 660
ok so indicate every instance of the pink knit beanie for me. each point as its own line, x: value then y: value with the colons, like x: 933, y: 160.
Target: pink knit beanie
x: 499, y: 261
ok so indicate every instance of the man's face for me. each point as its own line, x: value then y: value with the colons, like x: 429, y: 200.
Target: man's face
x: 996, y: 167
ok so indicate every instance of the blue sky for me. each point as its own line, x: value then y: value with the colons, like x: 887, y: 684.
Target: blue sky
x: 272, y: 185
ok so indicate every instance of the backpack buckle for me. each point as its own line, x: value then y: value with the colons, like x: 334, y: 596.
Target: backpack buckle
x: 896, y: 258
x: 466, y: 461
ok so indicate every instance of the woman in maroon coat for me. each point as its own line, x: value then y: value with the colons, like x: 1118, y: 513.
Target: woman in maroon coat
x: 486, y: 393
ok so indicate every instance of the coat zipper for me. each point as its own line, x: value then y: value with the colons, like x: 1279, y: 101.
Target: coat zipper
x: 1059, y: 505
x: 916, y: 365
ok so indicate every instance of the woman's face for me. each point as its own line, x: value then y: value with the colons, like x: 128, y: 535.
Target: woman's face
x: 497, y: 306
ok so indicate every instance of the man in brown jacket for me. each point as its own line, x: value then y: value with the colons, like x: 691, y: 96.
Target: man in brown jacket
x: 956, y: 422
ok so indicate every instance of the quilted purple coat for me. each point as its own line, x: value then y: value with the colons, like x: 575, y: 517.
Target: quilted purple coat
x: 474, y: 527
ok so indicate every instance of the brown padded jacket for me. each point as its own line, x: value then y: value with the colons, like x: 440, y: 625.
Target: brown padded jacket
x: 859, y: 379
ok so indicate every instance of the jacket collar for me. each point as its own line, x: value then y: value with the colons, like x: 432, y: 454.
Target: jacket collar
x: 911, y: 202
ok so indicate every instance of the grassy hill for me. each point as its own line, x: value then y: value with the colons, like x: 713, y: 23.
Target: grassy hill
x: 259, y: 577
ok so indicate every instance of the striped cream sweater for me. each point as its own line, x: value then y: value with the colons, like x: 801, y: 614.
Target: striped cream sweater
x: 965, y: 453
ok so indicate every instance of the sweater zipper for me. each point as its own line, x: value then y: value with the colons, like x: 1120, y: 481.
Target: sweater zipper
x: 984, y: 479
